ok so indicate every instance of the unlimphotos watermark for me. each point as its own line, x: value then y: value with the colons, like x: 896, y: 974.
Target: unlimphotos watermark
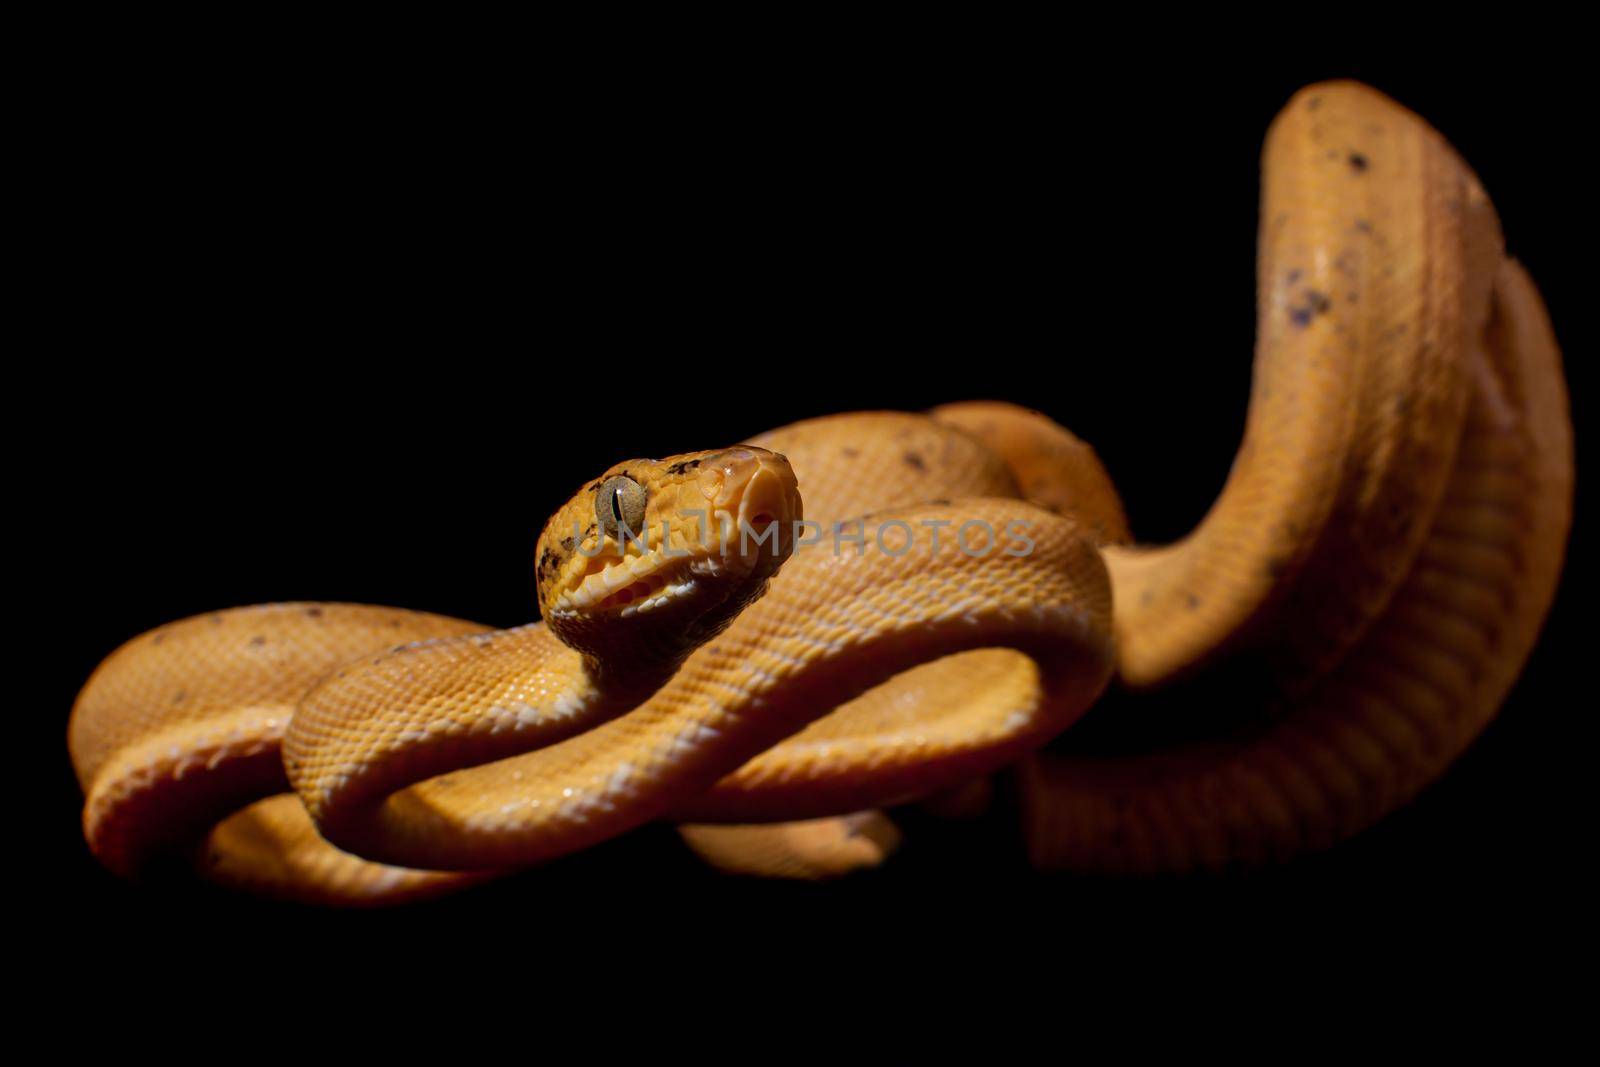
x: 974, y: 537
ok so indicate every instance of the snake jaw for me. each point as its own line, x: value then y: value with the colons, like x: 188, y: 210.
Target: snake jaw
x: 641, y: 582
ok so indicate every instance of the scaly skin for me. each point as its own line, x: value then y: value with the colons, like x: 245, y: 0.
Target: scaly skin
x: 182, y: 725
x: 1388, y: 588
x: 476, y: 751
x: 1342, y: 623
x: 1421, y: 683
x: 1378, y: 253
x: 859, y: 463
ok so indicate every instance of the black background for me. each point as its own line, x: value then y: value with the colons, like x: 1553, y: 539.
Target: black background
x: 347, y: 324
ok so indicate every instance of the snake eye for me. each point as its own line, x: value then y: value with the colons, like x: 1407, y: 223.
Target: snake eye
x: 618, y: 506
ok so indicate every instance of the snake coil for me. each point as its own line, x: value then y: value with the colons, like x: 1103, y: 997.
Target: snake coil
x: 1378, y: 564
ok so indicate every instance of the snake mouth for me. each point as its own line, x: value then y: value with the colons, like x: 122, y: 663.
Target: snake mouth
x: 629, y: 586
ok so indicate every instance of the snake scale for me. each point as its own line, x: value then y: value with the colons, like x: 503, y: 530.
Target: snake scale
x: 1360, y: 597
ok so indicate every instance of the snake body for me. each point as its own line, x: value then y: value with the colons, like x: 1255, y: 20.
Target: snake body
x: 1340, y: 625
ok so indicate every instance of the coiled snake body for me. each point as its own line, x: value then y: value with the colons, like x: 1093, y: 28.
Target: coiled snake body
x: 1378, y: 562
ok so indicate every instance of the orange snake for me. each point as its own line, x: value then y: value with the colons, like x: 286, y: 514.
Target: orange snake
x: 1341, y: 624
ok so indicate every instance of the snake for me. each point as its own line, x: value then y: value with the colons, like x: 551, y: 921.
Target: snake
x: 778, y: 645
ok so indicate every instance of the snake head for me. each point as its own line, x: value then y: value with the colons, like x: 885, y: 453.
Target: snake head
x: 658, y: 555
